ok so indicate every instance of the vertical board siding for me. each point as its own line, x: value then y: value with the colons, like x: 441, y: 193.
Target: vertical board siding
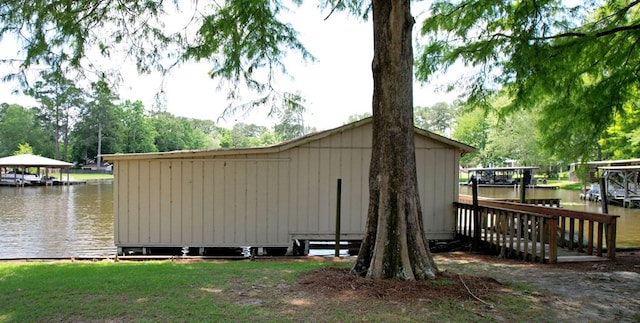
x: 122, y: 216
x: 439, y: 192
x: 453, y: 169
x: 324, y: 188
x: 353, y: 168
x: 302, y: 194
x: 271, y: 217
x: 284, y: 202
x: 240, y: 198
x: 185, y: 206
x: 229, y: 188
x: 293, y: 197
x: 313, y: 190
x: 165, y: 201
x: 267, y: 197
x: 144, y: 207
x: 134, y: 200
x: 335, y: 172
x: 261, y: 199
x: 175, y: 192
x: 219, y: 201
x: 155, y: 219
x: 429, y: 185
x: 197, y: 201
x: 250, y: 202
x: 208, y: 201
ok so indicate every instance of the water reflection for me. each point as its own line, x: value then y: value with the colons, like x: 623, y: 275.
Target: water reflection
x: 58, y: 221
x: 628, y: 222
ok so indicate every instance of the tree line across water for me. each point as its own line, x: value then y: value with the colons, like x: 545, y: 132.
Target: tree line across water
x: 71, y: 133
x: 126, y: 127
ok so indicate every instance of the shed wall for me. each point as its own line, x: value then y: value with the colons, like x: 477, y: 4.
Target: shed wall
x: 262, y: 199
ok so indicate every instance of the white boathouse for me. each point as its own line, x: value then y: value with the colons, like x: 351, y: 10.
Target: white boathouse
x: 270, y: 197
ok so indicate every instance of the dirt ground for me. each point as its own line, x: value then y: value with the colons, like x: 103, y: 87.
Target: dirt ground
x: 606, y: 291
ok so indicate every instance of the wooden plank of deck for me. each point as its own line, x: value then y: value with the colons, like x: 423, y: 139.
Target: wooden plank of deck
x: 581, y: 258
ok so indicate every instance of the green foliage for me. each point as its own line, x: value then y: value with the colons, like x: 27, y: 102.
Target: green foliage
x: 473, y: 129
x: 358, y: 117
x: 139, y: 133
x: 61, y: 34
x: 583, y: 172
x: 24, y: 149
x: 60, y: 99
x: 241, y: 37
x: 622, y: 139
x: 99, y: 128
x: 438, y: 118
x: 500, y: 136
x: 291, y: 119
x: 577, y: 65
x: 175, y: 133
x: 20, y: 126
x: 247, y: 135
x: 245, y: 40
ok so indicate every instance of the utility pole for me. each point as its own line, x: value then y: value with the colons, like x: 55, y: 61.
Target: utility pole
x: 99, y: 157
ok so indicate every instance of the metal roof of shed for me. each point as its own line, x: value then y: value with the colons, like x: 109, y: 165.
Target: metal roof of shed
x: 284, y: 145
x: 621, y: 168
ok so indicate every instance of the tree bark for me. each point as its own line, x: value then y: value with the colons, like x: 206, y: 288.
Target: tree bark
x: 394, y: 245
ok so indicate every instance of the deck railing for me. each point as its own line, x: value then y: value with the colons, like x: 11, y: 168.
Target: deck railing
x: 513, y: 234
x: 554, y: 202
x: 535, y: 233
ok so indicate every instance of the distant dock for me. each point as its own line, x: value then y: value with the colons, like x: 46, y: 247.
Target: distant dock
x: 515, y: 186
x: 47, y: 183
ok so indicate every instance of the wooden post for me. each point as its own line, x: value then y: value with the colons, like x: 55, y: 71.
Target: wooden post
x: 604, y: 201
x: 476, y: 215
x: 523, y: 187
x: 611, y: 238
x: 338, y: 203
x: 553, y: 240
x: 603, y: 195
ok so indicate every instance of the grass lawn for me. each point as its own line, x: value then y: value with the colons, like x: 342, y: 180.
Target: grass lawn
x: 235, y: 291
x: 88, y: 177
x: 566, y: 185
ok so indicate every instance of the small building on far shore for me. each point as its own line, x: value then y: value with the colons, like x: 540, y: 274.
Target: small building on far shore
x: 270, y: 196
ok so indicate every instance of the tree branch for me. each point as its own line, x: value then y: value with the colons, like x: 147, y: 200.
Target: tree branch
x: 333, y: 9
x: 596, y: 35
x: 576, y: 34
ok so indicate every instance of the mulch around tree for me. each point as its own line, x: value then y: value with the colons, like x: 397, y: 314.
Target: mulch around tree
x: 339, y: 283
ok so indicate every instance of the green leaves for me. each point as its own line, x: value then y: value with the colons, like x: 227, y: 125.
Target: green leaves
x: 242, y: 38
x: 579, y: 65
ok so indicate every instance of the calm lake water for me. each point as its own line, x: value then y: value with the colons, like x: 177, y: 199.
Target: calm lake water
x: 77, y: 220
x: 57, y: 221
x: 628, y: 225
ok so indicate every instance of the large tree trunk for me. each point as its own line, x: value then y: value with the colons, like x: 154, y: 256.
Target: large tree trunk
x: 394, y: 245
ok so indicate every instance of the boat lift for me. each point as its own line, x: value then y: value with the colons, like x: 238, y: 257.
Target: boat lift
x: 623, y: 186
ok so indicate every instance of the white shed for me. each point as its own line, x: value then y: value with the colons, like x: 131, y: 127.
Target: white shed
x: 270, y: 196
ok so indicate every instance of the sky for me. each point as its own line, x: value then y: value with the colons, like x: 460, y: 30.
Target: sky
x: 337, y: 85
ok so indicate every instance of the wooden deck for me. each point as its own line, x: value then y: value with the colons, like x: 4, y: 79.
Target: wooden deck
x: 537, y: 233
